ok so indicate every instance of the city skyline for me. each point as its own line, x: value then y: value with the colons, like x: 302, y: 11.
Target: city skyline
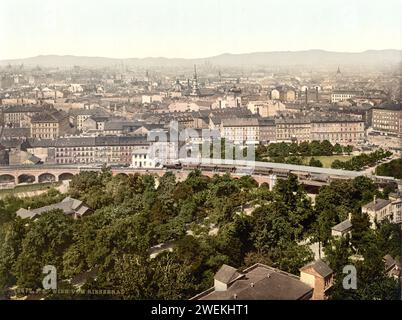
x: 194, y: 30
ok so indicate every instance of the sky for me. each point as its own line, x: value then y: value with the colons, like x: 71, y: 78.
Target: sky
x: 195, y: 29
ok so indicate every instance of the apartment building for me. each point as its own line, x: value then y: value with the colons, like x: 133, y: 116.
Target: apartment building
x: 267, y: 130
x: 78, y: 117
x: 241, y: 130
x: 19, y: 116
x: 268, y: 108
x: 49, y: 124
x: 293, y: 129
x: 387, y: 119
x: 342, y: 95
x: 343, y: 131
x: 88, y: 150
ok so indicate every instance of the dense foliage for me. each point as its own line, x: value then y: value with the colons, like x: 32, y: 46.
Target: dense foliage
x: 358, y: 162
x: 293, y: 152
x: 390, y: 169
x: 207, y: 221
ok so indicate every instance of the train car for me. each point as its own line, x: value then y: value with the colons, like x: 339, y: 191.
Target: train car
x: 174, y: 166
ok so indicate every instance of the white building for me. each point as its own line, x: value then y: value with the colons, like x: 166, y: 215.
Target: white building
x: 342, y: 95
x: 268, y: 108
x: 141, y: 159
x: 380, y: 209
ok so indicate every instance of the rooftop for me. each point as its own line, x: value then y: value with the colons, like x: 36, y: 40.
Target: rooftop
x: 68, y: 205
x: 376, y: 204
x: 343, y: 226
x: 259, y: 282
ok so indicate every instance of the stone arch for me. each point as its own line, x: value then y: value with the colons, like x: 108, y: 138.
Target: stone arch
x: 7, y: 178
x: 65, y: 176
x: 46, y: 177
x: 26, y: 178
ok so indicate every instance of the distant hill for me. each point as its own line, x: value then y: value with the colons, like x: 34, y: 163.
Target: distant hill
x: 370, y: 58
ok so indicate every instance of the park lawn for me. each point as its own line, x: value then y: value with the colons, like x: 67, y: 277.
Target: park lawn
x: 327, y: 160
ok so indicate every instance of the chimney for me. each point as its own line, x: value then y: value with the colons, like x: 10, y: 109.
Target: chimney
x: 252, y: 284
x: 306, y: 96
x: 235, y: 296
x: 316, y: 93
x: 375, y: 199
x: 350, y: 216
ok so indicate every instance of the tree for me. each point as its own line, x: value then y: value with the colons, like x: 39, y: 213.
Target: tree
x: 315, y: 162
x: 46, y: 240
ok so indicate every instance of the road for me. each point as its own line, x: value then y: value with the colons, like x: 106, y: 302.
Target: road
x: 371, y: 170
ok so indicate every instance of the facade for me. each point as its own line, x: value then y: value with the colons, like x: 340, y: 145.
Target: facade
x: 342, y: 95
x: 262, y: 282
x: 79, y: 116
x: 240, y: 130
x: 344, y: 132
x: 156, y: 155
x: 49, y: 124
x: 275, y: 94
x: 89, y: 150
x: 267, y: 108
x: 142, y: 159
x: 319, y: 276
x: 267, y: 130
x: 20, y: 115
x: 287, y: 94
x: 293, y: 129
x: 387, y: 119
x: 380, y: 209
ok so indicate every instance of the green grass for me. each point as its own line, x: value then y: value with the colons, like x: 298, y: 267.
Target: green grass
x: 29, y: 187
x: 327, y: 160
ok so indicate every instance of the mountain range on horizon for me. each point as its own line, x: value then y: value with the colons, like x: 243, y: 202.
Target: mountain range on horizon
x: 310, y: 58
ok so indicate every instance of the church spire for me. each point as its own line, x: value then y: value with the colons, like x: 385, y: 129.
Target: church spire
x: 195, y: 88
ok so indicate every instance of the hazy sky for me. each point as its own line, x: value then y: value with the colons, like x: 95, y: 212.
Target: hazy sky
x: 190, y: 29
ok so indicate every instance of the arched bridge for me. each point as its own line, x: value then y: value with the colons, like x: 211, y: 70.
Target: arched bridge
x: 260, y: 171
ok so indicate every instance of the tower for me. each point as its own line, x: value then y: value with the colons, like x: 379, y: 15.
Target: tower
x: 306, y: 96
x: 195, y: 92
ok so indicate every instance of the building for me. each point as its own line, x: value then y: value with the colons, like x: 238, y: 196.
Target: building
x: 69, y: 206
x: 261, y: 282
x: 290, y: 129
x: 156, y: 155
x: 240, y: 130
x: 275, y: 94
x: 49, y: 124
x: 141, y: 159
x: 342, y: 95
x: 20, y: 115
x: 79, y: 116
x: 380, y: 209
x: 267, y: 130
x: 319, y: 276
x: 342, y: 229
x: 345, y: 130
x: 88, y: 150
x: 387, y: 119
x: 268, y: 108
x: 94, y: 123
x: 287, y: 94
